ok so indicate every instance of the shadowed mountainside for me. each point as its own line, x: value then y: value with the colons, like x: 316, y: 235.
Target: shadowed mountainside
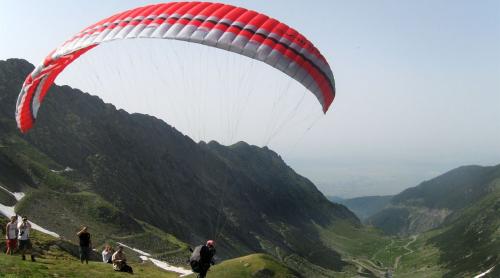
x: 363, y: 207
x: 138, y: 169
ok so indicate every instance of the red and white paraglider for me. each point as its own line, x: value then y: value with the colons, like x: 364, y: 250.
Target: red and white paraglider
x: 218, y: 25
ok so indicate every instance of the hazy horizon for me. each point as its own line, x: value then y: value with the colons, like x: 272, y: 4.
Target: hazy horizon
x: 418, y: 85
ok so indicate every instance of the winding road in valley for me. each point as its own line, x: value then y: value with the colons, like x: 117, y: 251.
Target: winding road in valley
x: 368, y: 265
x: 398, y: 258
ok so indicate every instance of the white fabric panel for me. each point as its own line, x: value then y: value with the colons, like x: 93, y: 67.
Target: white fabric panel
x: 147, y: 32
x: 250, y: 49
x: 262, y: 52
x: 213, y: 37
x: 161, y: 30
x: 101, y: 36
x: 173, y: 31
x: 293, y: 69
x: 273, y: 57
x: 136, y: 31
x: 112, y: 35
x: 225, y: 40
x: 238, y: 44
x: 36, y: 97
x: 186, y: 32
x: 199, y: 35
x: 124, y: 32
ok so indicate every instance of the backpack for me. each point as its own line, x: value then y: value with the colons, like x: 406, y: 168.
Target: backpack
x: 194, y: 260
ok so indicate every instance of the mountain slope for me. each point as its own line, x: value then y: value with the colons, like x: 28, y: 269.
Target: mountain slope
x: 429, y: 204
x: 466, y: 245
x: 59, y: 258
x: 474, y: 231
x: 364, y: 207
x: 132, y: 174
x: 457, y: 217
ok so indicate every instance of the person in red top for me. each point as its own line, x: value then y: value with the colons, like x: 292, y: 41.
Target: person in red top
x: 11, y: 235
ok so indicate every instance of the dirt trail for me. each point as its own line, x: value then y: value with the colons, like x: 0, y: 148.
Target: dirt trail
x: 381, y: 271
x: 382, y: 249
x: 398, y: 258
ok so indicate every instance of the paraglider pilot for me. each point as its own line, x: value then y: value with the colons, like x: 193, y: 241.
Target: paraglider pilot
x: 202, y: 257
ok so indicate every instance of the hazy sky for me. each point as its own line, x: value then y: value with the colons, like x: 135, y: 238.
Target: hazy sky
x: 418, y: 85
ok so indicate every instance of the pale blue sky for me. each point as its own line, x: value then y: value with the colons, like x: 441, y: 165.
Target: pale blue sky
x: 418, y: 83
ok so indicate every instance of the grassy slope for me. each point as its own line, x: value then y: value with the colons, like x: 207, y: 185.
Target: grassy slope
x: 66, y: 195
x: 369, y: 250
x: 57, y: 258
x: 476, y: 233
x: 424, y: 261
x: 54, y: 261
x: 463, y: 248
x: 251, y: 266
x: 363, y: 247
x: 57, y: 264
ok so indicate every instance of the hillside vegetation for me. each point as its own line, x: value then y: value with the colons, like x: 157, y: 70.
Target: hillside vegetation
x: 136, y: 180
x: 430, y: 204
x: 133, y: 178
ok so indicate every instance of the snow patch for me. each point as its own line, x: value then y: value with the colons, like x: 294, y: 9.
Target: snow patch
x: 136, y: 250
x: 484, y: 273
x: 9, y: 212
x: 67, y: 169
x: 168, y: 267
x: 43, y: 230
x: 17, y: 195
x: 161, y: 264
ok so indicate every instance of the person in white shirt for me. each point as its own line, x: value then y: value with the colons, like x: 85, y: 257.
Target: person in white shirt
x: 107, y: 253
x: 24, y: 238
x: 11, y: 235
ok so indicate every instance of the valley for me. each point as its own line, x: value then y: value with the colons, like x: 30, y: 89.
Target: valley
x: 134, y: 180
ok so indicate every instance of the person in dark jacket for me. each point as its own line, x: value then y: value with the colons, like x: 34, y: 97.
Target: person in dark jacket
x: 202, y: 257
x: 85, y: 244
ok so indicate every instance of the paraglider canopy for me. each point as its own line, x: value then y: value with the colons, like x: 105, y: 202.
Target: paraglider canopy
x: 227, y: 27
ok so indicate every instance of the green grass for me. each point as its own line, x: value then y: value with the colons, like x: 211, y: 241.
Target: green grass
x: 424, y: 261
x: 53, y: 261
x: 475, y: 233
x: 107, y: 224
x: 366, y: 247
x: 251, y: 266
x: 350, y: 241
x: 57, y: 264
x: 17, y: 148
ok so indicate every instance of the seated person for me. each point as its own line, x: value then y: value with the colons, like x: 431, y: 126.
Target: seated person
x: 107, y: 253
x: 120, y: 261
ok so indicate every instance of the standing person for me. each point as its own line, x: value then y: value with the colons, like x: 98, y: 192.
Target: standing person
x: 24, y: 238
x: 202, y: 257
x: 120, y: 261
x: 85, y: 244
x: 11, y: 232
x: 107, y: 253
